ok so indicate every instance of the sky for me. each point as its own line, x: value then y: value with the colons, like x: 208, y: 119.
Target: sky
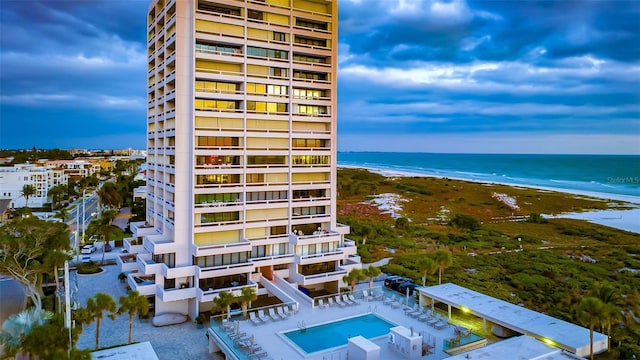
x: 414, y: 75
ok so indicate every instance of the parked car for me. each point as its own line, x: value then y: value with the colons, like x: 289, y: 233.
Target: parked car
x: 89, y: 249
x: 393, y: 282
x: 407, y: 286
x: 86, y: 259
x: 107, y: 247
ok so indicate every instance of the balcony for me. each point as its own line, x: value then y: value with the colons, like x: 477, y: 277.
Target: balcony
x: 305, y: 280
x: 328, y: 236
x: 349, y: 247
x: 127, y: 262
x: 178, y: 271
x: 343, y: 229
x: 147, y: 265
x: 320, y: 257
x: 218, y: 249
x: 225, y: 270
x: 157, y: 244
x: 143, y: 285
x: 210, y: 293
x: 176, y: 294
x: 133, y: 245
x: 271, y: 260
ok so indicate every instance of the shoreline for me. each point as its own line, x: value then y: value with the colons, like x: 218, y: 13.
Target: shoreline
x: 627, y: 220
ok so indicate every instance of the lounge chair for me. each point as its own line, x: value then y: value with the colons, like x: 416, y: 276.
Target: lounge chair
x: 227, y: 325
x: 282, y: 313
x: 377, y: 296
x: 365, y: 295
x: 254, y: 319
x: 353, y: 298
x: 415, y: 313
x: 396, y: 304
x: 434, y: 320
x: 346, y: 300
x: 340, y: 302
x: 408, y: 310
x: 331, y: 302
x: 441, y: 324
x: 321, y: 304
x: 273, y: 315
x: 294, y: 309
x: 426, y: 315
x: 262, y: 316
x: 389, y: 300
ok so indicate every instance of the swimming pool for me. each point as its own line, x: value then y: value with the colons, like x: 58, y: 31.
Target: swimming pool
x: 463, y: 341
x: 337, y: 333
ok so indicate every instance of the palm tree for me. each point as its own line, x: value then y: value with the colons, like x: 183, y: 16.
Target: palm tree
x: 427, y: 266
x: 56, y: 193
x: 248, y: 295
x: 371, y: 272
x: 353, y: 277
x: 591, y: 312
x: 104, y: 227
x: 132, y: 304
x: 444, y: 259
x: 611, y: 300
x: 17, y: 326
x: 222, y: 301
x: 62, y: 214
x: 109, y: 195
x: 96, y: 306
x: 27, y: 191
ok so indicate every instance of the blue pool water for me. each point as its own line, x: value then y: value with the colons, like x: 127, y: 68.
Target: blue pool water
x: 337, y: 333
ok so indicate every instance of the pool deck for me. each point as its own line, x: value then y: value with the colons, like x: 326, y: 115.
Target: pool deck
x: 267, y: 335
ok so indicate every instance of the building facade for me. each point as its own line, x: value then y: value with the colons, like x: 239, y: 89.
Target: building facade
x: 241, y: 178
x: 13, y: 179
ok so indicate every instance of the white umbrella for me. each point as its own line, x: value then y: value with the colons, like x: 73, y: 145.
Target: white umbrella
x: 407, y: 302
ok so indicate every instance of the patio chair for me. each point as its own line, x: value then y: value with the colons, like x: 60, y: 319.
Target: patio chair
x: 389, y: 300
x: 331, y: 302
x: 227, y: 325
x: 409, y: 309
x: 339, y: 302
x: 353, y: 298
x: 434, y: 320
x: 254, y: 319
x: 378, y: 296
x: 426, y: 315
x: 294, y: 309
x: 262, y: 316
x: 396, y: 304
x: 321, y: 304
x: 441, y: 324
x: 282, y: 313
x: 414, y: 314
x: 346, y: 300
x: 273, y: 315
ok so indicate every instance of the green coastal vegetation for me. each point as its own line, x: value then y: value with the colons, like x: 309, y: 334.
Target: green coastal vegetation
x: 500, y: 245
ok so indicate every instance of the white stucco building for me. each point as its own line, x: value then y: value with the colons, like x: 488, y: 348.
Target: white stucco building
x: 241, y: 136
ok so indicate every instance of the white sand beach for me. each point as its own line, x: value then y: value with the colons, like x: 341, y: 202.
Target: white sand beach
x: 628, y: 219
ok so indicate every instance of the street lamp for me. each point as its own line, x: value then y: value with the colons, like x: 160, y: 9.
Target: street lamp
x: 83, y: 213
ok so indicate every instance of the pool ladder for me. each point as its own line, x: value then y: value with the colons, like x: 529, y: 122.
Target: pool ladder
x: 302, y: 326
x: 374, y: 309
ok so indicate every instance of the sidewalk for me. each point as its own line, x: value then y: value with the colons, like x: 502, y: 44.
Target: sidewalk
x: 183, y: 341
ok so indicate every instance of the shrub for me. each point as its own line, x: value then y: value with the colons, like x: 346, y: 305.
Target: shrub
x: 88, y: 268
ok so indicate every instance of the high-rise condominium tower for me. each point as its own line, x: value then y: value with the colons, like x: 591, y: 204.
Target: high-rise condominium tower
x: 241, y: 186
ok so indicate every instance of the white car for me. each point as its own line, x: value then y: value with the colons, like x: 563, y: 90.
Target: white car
x: 89, y: 249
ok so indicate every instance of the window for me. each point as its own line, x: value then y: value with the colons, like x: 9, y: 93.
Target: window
x: 269, y: 53
x: 217, y: 141
x: 308, y: 194
x: 308, y: 143
x: 311, y: 24
x: 220, y: 105
x: 310, y: 59
x: 310, y: 160
x: 255, y: 15
x: 219, y: 217
x: 279, y: 72
x: 268, y: 195
x: 279, y: 36
x: 312, y: 110
x: 215, y: 160
x: 309, y: 210
x: 205, y: 6
x: 217, y: 48
x: 266, y: 107
x: 218, y: 179
x: 266, y: 160
x: 310, y: 75
x: 216, y: 198
x: 214, y: 86
x: 310, y: 41
x: 255, y: 178
x: 258, y: 251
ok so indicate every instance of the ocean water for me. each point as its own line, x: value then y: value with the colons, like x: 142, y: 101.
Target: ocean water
x: 589, y: 174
